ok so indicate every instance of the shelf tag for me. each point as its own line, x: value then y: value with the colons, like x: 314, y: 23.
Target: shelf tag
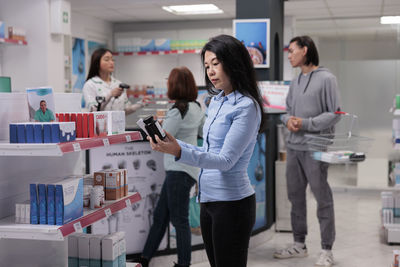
x: 106, y: 142
x: 77, y: 147
x: 128, y: 138
x: 128, y: 203
x: 108, y: 212
x: 78, y: 227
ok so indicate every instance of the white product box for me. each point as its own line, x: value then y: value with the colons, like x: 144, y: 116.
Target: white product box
x: 69, y: 200
x: 101, y: 123
x: 73, y: 256
x: 116, y: 121
x: 95, y: 250
x: 109, y: 122
x: 110, y: 250
x: 83, y: 252
x: 122, y: 249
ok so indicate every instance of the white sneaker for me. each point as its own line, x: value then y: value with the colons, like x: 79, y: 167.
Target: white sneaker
x: 294, y: 251
x: 325, y: 259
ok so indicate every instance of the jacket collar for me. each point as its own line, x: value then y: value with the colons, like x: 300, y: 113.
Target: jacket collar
x: 232, y: 98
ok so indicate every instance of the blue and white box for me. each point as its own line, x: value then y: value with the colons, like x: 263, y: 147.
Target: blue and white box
x: 83, y: 252
x: 42, y: 203
x: 51, y: 208
x: 67, y: 131
x: 147, y: 45
x: 110, y: 250
x: 34, y: 204
x: 13, y: 133
x: 69, y: 200
x: 38, y: 133
x: 21, y: 135
x: 122, y: 249
x: 55, y: 132
x: 73, y: 256
x: 47, y: 133
x: 95, y: 250
x: 29, y: 133
x: 163, y: 44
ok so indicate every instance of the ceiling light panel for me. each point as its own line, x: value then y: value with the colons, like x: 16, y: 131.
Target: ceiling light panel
x: 193, y: 9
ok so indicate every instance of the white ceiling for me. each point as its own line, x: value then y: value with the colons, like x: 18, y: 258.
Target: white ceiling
x: 325, y: 18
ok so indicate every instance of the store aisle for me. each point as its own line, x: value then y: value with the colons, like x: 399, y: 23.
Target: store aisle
x: 358, y: 242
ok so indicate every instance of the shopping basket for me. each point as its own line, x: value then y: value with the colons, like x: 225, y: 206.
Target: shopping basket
x: 343, y: 146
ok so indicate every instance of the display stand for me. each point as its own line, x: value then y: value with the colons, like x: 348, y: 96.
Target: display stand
x: 22, y: 164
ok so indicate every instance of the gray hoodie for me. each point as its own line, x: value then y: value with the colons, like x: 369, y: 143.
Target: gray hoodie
x: 314, y: 98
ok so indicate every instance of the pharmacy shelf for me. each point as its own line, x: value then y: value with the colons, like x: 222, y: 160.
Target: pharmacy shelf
x: 149, y: 53
x: 7, y: 149
x: 12, y: 41
x: 9, y: 229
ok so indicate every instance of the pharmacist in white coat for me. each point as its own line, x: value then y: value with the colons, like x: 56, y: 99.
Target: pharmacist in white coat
x: 100, y: 82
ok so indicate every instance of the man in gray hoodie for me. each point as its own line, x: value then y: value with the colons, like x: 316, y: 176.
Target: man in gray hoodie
x: 312, y: 101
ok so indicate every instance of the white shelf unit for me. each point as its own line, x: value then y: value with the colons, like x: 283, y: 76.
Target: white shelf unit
x: 9, y: 229
x: 22, y: 164
x: 59, y: 149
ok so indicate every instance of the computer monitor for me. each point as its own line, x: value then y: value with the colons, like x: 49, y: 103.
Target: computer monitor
x: 5, y: 84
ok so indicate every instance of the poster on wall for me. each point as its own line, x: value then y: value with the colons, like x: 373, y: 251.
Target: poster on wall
x: 255, y: 35
x: 41, y: 104
x: 146, y: 175
x: 257, y: 175
x: 78, y: 66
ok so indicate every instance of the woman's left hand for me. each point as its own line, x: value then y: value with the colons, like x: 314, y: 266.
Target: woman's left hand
x: 168, y: 145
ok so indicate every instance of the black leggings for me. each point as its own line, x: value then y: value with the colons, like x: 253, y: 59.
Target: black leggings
x: 226, y: 228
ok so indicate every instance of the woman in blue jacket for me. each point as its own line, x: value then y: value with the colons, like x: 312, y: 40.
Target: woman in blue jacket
x: 230, y: 131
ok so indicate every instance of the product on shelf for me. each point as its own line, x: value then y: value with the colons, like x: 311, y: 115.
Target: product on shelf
x: 42, y: 132
x: 83, y: 250
x: 93, y: 124
x: 69, y: 200
x: 97, y: 250
x: 73, y: 256
x: 110, y: 250
x: 34, y: 216
x: 22, y: 212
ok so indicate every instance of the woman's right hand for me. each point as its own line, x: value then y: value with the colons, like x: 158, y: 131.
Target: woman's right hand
x: 116, y: 92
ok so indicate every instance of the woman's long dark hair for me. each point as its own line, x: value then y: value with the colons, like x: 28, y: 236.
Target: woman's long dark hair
x: 238, y: 66
x: 95, y: 62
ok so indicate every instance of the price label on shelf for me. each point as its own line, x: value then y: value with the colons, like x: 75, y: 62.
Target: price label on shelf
x: 106, y: 142
x: 76, y: 146
x: 108, y: 212
x: 78, y: 227
x: 128, y: 203
x: 128, y: 138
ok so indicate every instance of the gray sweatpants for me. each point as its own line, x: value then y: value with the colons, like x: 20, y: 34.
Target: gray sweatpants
x: 302, y: 169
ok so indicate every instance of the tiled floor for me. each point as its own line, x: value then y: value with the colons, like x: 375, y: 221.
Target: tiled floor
x: 358, y: 231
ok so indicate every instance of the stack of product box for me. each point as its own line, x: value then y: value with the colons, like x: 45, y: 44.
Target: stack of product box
x: 42, y: 132
x: 390, y: 207
x: 97, y: 250
x: 58, y: 203
x: 114, y: 182
x: 92, y: 124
